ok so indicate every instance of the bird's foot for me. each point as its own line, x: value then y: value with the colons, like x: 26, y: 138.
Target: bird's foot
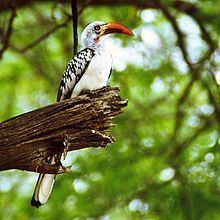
x: 63, y: 169
x: 106, y: 87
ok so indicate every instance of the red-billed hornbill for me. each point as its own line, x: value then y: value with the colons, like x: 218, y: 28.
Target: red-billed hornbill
x: 87, y: 70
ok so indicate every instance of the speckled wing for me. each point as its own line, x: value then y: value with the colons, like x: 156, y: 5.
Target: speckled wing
x: 73, y: 73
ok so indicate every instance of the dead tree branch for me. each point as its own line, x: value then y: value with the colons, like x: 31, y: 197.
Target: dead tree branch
x: 28, y: 140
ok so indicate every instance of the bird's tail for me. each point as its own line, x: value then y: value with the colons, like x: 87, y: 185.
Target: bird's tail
x: 43, y: 189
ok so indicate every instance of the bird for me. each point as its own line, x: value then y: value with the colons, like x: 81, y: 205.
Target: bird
x: 89, y: 69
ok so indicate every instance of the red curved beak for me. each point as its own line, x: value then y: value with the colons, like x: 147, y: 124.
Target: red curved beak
x: 112, y: 27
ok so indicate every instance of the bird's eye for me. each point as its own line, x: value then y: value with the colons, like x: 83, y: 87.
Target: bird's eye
x: 97, y: 28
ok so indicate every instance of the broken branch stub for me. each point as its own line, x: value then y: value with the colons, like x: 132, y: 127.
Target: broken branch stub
x: 28, y: 140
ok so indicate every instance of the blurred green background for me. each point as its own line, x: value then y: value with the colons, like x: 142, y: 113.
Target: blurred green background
x: 165, y: 162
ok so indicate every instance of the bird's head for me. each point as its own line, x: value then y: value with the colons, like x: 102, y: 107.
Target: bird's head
x: 94, y: 33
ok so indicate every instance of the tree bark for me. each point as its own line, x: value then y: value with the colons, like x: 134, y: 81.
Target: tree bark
x: 27, y: 141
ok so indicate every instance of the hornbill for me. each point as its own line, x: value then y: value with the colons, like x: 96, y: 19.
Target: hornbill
x: 87, y: 70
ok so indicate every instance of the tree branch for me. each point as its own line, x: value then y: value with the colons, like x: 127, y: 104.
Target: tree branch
x: 28, y: 140
x: 179, y: 33
x: 192, y: 11
x: 52, y: 30
x: 4, y: 5
x: 180, y: 110
x: 183, y: 6
x: 75, y: 25
x: 44, y: 36
x: 6, y: 37
x: 178, y: 149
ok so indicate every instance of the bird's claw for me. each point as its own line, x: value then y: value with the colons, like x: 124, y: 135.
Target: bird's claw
x: 63, y: 169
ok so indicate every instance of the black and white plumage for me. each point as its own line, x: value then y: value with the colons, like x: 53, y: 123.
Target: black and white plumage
x: 87, y: 70
x: 73, y: 73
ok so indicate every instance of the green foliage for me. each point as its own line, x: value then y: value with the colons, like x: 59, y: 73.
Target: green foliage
x: 150, y: 172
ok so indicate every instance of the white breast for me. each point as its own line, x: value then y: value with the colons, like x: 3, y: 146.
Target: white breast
x: 96, y: 75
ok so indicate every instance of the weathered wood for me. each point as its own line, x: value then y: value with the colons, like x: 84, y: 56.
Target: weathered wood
x: 28, y: 140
